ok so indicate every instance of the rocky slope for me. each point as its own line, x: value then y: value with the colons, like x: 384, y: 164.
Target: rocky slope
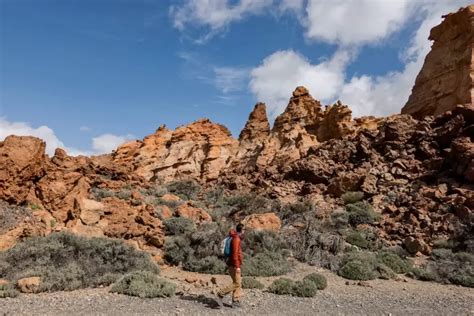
x: 416, y: 170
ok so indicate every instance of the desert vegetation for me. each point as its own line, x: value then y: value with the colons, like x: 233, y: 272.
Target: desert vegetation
x: 67, y: 262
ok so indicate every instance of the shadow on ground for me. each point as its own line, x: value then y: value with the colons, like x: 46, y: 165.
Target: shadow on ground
x: 207, y: 301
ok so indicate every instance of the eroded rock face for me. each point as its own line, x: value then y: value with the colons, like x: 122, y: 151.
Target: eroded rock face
x: 447, y: 76
x: 22, y: 162
x: 199, y: 150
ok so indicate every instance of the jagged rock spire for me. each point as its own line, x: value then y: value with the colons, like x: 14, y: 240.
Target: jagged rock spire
x: 257, y: 126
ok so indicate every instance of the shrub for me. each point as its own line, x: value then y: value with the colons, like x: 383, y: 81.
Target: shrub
x: 448, y: 267
x: 394, y: 261
x: 211, y: 265
x: 318, y: 279
x: 8, y: 290
x: 284, y: 286
x: 100, y: 194
x: 361, y: 213
x: 251, y: 283
x: 263, y: 241
x: 358, y: 266
x: 179, y: 225
x: 185, y: 189
x: 443, y: 243
x: 291, y: 211
x: 144, y: 284
x: 124, y: 194
x: 266, y: 264
x: 357, y: 239
x: 66, y: 262
x: 247, y: 203
x: 313, y: 245
x: 385, y: 272
x: 177, y: 250
x: 304, y: 288
x: 352, y: 197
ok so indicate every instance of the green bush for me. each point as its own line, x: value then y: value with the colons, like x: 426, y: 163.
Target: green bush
x: 318, y: 279
x: 292, y: 211
x: 247, y: 203
x: 264, y: 241
x: 352, y: 197
x: 361, y: 213
x: 99, y: 194
x: 266, y: 264
x: 185, y: 189
x: 385, y: 272
x: 284, y: 286
x: 8, y: 290
x: 177, y: 250
x: 124, y: 194
x: 305, y: 288
x: 357, y: 239
x: 251, y: 283
x: 358, y: 266
x: 144, y: 284
x: 179, y: 225
x: 67, y: 262
x: 448, y: 267
x: 210, y: 265
x: 394, y: 261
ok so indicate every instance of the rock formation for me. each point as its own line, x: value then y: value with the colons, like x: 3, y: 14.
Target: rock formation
x: 199, y: 150
x: 416, y: 170
x: 447, y: 76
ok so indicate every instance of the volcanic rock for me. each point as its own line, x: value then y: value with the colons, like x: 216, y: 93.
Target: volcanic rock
x: 447, y: 76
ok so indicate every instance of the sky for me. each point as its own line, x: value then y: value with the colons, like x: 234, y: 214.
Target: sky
x: 88, y: 75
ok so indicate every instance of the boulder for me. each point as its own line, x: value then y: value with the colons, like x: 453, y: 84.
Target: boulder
x: 266, y: 221
x: 29, y: 285
x: 196, y: 214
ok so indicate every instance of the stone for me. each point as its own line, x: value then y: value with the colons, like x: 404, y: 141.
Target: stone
x: 29, y: 285
x: 196, y: 214
x: 446, y: 78
x: 265, y: 221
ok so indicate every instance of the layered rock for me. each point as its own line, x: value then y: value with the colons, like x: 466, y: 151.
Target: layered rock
x: 199, y: 150
x: 447, y: 76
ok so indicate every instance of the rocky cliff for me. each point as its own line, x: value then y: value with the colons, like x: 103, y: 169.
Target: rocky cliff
x: 447, y: 76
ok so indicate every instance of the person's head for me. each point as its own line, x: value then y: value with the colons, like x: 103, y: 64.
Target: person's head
x: 240, y: 228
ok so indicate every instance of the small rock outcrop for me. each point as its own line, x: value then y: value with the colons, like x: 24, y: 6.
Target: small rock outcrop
x: 447, y: 76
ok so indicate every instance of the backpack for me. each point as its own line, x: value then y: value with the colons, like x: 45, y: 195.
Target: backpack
x: 226, y: 248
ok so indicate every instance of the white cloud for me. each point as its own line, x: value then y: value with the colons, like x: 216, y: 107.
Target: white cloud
x: 368, y: 21
x: 280, y: 73
x: 387, y: 94
x: 107, y: 142
x: 354, y: 22
x: 230, y: 79
x: 291, y: 5
x: 85, y: 129
x: 101, y: 144
x: 214, y: 14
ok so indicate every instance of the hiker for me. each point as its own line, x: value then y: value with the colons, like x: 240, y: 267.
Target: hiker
x: 234, y: 263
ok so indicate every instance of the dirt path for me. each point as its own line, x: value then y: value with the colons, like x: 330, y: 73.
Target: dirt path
x: 378, y: 297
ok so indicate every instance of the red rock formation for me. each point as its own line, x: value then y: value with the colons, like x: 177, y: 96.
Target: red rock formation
x: 447, y: 76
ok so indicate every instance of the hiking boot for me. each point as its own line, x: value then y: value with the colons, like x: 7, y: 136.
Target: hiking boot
x: 219, y: 301
x: 236, y: 305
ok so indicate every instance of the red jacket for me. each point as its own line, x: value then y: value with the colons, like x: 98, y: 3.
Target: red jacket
x: 236, y: 257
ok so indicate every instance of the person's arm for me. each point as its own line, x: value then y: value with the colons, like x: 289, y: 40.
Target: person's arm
x: 236, y: 253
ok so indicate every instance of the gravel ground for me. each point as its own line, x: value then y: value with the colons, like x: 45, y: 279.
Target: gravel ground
x: 378, y: 297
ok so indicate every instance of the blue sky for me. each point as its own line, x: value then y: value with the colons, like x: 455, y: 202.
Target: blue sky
x: 87, y: 75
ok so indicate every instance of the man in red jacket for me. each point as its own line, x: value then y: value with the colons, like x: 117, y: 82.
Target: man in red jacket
x: 234, y: 262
